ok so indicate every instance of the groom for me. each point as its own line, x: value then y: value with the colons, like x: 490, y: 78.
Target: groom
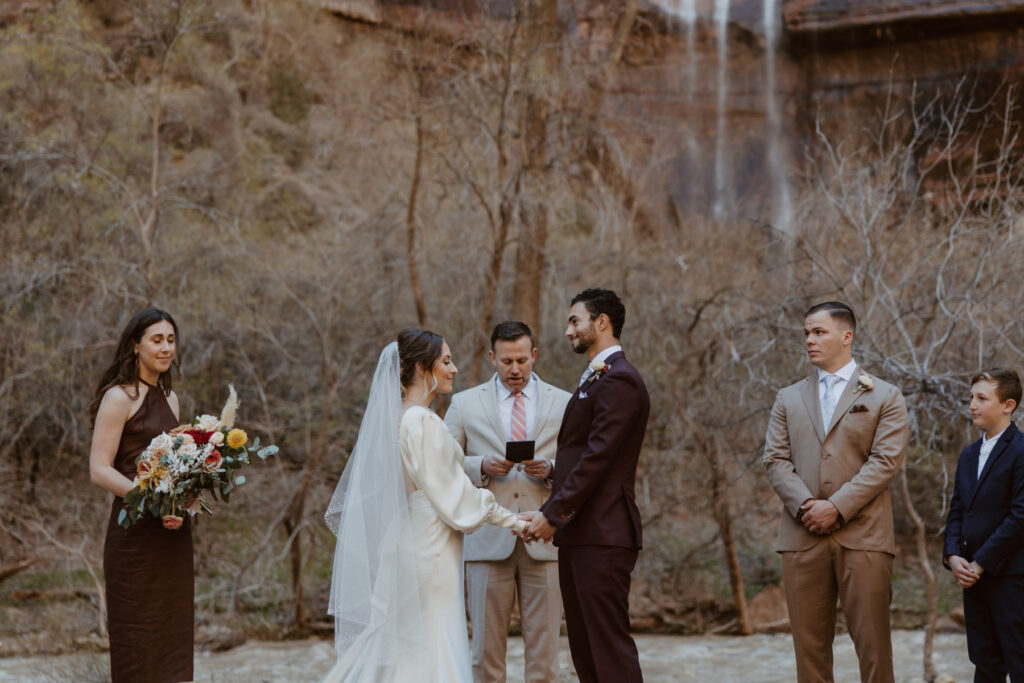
x: 592, y: 512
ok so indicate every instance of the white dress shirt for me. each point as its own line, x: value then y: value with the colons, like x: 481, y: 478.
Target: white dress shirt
x: 599, y: 357
x: 987, y: 445
x: 844, y: 374
x: 506, y: 399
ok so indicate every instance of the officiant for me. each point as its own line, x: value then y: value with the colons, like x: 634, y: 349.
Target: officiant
x: 513, y: 406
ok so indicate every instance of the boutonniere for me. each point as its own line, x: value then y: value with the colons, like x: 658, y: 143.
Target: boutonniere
x: 864, y: 383
x: 599, y: 368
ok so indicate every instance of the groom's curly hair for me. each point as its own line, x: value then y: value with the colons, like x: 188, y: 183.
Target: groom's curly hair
x: 605, y: 301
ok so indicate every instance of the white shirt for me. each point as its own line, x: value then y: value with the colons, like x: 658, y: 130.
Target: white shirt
x: 599, y: 357
x: 506, y: 399
x: 844, y: 374
x: 987, y: 445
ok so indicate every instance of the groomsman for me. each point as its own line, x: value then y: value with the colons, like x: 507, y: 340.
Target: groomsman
x: 592, y: 512
x: 984, y: 541
x: 835, y: 440
x: 513, y: 405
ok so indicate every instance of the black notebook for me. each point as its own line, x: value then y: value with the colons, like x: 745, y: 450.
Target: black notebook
x: 519, y: 451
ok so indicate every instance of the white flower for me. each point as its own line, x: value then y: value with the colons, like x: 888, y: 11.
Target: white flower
x: 187, y: 451
x: 597, y: 365
x: 207, y: 423
x: 864, y: 383
x: 164, y: 442
x: 217, y: 438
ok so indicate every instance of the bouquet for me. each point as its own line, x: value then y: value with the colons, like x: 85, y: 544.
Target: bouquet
x: 178, y: 467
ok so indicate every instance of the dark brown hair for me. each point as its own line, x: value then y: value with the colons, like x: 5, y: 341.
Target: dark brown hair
x: 124, y: 371
x: 417, y: 347
x: 838, y: 311
x: 1007, y: 383
x: 511, y: 330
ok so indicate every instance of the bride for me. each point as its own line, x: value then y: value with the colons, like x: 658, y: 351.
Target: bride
x: 400, y: 510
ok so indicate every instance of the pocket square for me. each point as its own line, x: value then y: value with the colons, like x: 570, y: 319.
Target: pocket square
x: 859, y: 408
x: 583, y: 394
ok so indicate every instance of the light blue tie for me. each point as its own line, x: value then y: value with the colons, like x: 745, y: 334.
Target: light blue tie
x: 828, y: 401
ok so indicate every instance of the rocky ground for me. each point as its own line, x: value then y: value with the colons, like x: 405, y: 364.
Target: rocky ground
x: 755, y: 659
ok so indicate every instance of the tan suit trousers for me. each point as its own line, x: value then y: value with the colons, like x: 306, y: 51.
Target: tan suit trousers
x: 862, y: 580
x: 493, y: 587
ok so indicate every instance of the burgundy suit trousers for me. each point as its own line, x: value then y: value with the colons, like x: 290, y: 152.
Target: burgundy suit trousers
x: 595, y: 594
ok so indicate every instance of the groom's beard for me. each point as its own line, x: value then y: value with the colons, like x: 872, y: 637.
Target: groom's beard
x: 583, y: 343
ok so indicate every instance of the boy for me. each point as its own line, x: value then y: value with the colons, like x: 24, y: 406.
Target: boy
x: 984, y: 541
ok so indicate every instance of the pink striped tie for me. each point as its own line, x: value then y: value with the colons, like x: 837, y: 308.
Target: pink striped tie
x: 518, y: 418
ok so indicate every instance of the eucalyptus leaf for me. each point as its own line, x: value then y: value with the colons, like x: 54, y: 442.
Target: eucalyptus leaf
x: 239, y: 480
x: 264, y: 452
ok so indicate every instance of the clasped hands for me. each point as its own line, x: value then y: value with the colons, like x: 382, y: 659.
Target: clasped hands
x: 966, y: 573
x: 820, y: 516
x: 497, y: 466
x: 537, y: 527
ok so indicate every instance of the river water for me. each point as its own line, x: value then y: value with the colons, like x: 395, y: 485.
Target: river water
x: 754, y: 659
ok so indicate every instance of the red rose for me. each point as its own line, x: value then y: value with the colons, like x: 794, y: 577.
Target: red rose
x: 199, y: 436
x: 172, y: 522
x: 145, y: 467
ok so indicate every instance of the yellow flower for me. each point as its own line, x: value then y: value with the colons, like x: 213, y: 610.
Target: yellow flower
x: 237, y: 438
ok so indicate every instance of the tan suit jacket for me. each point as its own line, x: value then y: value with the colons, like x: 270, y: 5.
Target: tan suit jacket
x: 473, y: 421
x: 850, y: 463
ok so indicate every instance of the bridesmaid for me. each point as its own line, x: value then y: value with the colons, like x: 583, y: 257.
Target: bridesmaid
x: 148, y: 569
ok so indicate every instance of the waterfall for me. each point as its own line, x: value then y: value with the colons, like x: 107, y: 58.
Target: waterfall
x: 688, y: 16
x: 777, y: 167
x: 721, y: 174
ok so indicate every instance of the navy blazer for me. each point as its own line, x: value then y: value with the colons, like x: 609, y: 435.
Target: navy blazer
x: 986, y: 515
x: 593, y: 499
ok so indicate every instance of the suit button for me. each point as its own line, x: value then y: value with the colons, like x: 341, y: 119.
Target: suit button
x: 827, y: 456
x: 515, y: 495
x: 827, y: 483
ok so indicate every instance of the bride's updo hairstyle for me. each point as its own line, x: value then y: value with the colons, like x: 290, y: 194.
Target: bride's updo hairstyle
x: 417, y: 347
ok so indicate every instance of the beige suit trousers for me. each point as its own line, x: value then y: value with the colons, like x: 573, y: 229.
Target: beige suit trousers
x: 862, y: 580
x: 493, y: 587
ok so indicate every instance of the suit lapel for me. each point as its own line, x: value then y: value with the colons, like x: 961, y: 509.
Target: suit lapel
x: 970, y: 473
x: 544, y: 403
x: 997, y: 451
x: 490, y: 406
x: 846, y: 399
x: 581, y: 388
x: 809, y: 393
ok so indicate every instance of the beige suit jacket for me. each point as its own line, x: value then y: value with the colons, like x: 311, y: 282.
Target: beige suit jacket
x: 850, y: 463
x: 473, y: 421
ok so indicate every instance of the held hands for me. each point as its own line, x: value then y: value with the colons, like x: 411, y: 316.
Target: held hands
x: 820, y: 516
x: 966, y: 573
x: 537, y: 527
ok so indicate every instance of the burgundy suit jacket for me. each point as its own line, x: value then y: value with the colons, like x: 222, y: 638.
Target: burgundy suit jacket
x: 593, y: 499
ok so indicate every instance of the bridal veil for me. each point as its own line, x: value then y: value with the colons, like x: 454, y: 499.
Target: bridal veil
x: 378, y: 623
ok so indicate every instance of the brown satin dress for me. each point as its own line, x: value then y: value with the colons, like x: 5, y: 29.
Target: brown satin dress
x: 149, y: 573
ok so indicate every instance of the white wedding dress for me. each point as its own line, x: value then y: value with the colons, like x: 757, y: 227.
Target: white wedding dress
x: 431, y: 644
